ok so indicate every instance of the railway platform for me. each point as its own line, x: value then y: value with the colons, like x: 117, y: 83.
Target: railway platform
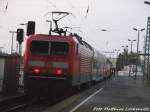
x: 119, y: 94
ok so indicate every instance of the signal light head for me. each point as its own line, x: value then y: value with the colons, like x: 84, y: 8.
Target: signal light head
x: 30, y: 28
x: 20, y: 33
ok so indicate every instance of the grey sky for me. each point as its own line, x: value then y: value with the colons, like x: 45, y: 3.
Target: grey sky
x: 118, y: 16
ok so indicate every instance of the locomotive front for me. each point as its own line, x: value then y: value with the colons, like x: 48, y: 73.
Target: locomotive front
x: 46, y: 62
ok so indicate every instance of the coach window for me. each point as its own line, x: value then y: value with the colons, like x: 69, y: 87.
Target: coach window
x: 95, y: 63
x: 77, y: 49
x: 39, y: 47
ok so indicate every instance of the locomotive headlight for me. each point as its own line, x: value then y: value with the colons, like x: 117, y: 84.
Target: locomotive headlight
x: 60, y: 68
x: 36, y: 70
x: 58, y: 71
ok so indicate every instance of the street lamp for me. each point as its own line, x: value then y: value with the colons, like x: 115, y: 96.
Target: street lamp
x: 13, y: 32
x: 23, y: 24
x: 117, y: 51
x: 138, y: 30
x: 125, y: 48
x: 146, y: 2
x: 131, y: 43
x: 104, y: 30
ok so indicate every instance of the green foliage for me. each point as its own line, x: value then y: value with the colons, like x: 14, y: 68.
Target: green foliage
x: 126, y: 59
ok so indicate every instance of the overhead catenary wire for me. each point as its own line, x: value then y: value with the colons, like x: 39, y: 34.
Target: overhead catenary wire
x: 72, y: 6
x: 79, y: 20
x: 6, y: 7
x: 80, y: 15
x: 54, y: 5
x: 87, y: 11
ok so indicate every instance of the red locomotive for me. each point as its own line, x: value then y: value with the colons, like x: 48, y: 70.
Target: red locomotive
x: 61, y: 61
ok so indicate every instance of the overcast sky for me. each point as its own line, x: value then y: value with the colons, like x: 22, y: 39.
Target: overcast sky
x: 117, y: 16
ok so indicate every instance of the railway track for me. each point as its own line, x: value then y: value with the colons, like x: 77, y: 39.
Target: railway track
x: 27, y: 102
x: 16, y: 103
x: 19, y: 103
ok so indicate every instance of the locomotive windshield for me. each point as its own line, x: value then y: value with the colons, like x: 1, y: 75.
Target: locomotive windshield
x: 39, y: 47
x: 59, y: 48
x: 49, y: 48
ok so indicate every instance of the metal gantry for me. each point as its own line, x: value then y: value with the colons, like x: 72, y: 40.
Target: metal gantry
x: 146, y: 64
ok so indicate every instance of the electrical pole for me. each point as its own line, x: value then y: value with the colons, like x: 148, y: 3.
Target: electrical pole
x: 146, y: 64
x: 13, y: 32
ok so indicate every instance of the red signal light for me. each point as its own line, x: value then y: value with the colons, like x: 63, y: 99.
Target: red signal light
x: 36, y: 70
x: 59, y: 71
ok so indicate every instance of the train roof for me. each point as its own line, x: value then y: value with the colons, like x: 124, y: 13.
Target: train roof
x: 45, y: 37
x: 70, y: 38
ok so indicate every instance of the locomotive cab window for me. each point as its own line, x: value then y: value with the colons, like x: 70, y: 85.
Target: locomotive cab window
x: 59, y: 48
x: 39, y: 47
x: 49, y: 48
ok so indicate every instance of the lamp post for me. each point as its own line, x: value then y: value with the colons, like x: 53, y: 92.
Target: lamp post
x: 13, y: 32
x: 131, y: 43
x: 138, y: 30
